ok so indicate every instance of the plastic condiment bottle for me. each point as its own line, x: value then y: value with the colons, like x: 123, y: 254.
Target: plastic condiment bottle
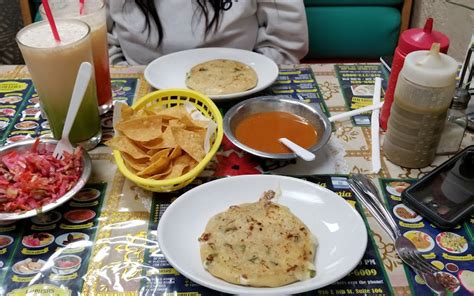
x: 409, y: 41
x: 456, y: 123
x: 423, y: 94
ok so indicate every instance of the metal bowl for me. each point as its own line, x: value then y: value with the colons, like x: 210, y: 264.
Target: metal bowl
x: 49, y: 145
x: 274, y: 103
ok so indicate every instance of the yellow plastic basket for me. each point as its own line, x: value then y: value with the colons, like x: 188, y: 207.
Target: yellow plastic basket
x: 169, y: 98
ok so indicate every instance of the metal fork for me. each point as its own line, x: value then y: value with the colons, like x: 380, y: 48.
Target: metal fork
x: 82, y: 81
x: 405, y: 246
x: 366, y: 192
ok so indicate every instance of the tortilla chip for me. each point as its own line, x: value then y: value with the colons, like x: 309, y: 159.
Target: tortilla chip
x: 152, y: 152
x: 168, y: 140
x: 141, y: 129
x: 177, y: 151
x: 190, y: 142
x: 185, y: 159
x: 153, y: 144
x: 160, y: 143
x: 123, y: 144
x: 173, y: 112
x: 176, y: 171
x: 139, y: 113
x: 189, y: 168
x: 126, y: 112
x: 156, y: 167
x: 189, y: 122
x: 136, y: 165
x: 176, y: 123
x: 162, y: 175
x: 160, y: 153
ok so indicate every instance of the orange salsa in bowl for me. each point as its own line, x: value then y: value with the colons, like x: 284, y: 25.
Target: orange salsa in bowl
x: 255, y: 125
x: 261, y: 131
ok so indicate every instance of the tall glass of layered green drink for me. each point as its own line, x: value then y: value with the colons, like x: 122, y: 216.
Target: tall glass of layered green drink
x: 53, y: 66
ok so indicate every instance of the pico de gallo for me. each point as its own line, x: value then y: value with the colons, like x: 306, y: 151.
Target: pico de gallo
x: 32, y: 179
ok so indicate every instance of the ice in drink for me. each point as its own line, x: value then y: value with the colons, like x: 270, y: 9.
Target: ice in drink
x: 94, y: 16
x: 53, y: 67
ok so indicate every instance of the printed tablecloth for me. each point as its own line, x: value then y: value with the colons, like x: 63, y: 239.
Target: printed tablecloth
x: 120, y: 255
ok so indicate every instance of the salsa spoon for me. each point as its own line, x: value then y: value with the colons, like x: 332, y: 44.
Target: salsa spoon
x: 297, y: 149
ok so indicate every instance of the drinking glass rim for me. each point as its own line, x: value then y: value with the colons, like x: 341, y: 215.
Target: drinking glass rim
x: 102, y: 4
x: 40, y: 23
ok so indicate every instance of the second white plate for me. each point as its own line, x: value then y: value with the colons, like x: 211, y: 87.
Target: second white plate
x: 169, y: 71
x: 339, y: 228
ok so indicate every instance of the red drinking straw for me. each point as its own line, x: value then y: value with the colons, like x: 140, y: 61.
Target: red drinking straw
x: 52, y: 24
x: 81, y: 7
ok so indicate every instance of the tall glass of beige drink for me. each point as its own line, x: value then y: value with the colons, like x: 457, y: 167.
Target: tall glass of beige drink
x: 53, y: 67
x: 94, y: 15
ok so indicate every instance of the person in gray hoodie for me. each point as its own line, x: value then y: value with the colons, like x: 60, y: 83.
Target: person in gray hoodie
x: 143, y: 30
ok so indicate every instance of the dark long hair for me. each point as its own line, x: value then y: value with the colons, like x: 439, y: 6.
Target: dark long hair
x: 148, y: 8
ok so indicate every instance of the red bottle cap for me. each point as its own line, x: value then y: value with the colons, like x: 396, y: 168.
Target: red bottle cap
x: 422, y: 39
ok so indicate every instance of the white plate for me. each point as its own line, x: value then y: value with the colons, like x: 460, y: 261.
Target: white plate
x: 338, y: 227
x: 169, y: 71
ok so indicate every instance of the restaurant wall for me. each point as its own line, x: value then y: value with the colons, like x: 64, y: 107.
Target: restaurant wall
x: 456, y: 21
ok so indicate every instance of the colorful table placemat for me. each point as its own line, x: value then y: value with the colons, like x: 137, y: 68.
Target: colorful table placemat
x: 14, y: 95
x: 299, y: 83
x: 21, y: 117
x: 369, y: 272
x: 295, y: 82
x: 62, y: 237
x: 449, y: 251
x: 357, y: 86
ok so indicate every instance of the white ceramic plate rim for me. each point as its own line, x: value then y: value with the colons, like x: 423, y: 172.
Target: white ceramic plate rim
x: 179, y: 63
x: 321, y: 195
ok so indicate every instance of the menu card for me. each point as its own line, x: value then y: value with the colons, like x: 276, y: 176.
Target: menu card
x: 300, y: 83
x: 14, y: 94
x: 368, y: 278
x: 357, y: 85
x: 449, y: 251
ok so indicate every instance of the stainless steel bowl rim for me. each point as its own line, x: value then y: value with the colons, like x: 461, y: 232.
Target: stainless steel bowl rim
x: 86, y: 172
x: 235, y: 109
